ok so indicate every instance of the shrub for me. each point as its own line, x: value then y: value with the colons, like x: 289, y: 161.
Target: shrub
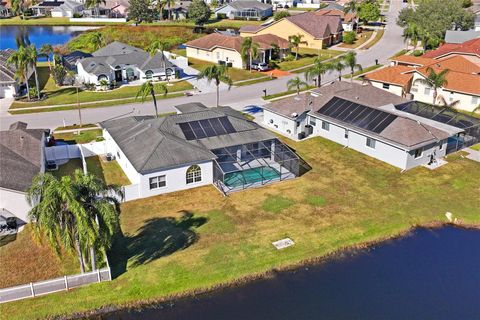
x: 77, y: 15
x: 417, y: 53
x: 349, y: 37
x: 280, y: 15
x: 289, y: 57
x: 33, y: 92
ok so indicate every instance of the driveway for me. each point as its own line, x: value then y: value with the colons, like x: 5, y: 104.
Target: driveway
x: 237, y: 97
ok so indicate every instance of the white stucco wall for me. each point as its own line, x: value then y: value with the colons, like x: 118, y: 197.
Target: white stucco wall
x: 398, y: 90
x: 217, y: 54
x: 287, y: 127
x: 15, y: 202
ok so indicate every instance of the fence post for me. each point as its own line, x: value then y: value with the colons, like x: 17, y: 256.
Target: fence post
x: 31, y: 289
x: 66, y: 283
x: 98, y: 275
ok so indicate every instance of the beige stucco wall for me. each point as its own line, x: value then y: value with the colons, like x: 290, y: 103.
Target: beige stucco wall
x: 393, y: 88
x: 285, y: 29
x: 218, y: 54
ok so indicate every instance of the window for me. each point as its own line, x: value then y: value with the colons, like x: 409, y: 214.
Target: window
x: 313, y: 121
x: 440, y: 146
x: 194, y: 174
x: 346, y: 134
x: 149, y: 74
x: 158, y: 182
x: 386, y: 86
x: 325, y: 126
x: 118, y: 154
x: 418, y: 153
x: 371, y: 143
x: 427, y: 91
x: 475, y: 100
x: 130, y: 73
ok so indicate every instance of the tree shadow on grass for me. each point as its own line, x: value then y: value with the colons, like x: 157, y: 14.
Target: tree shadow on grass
x: 158, y: 237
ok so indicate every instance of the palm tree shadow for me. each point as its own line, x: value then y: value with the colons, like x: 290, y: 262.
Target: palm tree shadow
x: 158, y: 237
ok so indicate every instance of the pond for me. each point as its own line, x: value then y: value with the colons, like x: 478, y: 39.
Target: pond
x: 430, y: 274
x: 55, y: 35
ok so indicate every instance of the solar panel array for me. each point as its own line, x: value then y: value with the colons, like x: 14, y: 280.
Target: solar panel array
x: 357, y: 115
x: 206, y: 128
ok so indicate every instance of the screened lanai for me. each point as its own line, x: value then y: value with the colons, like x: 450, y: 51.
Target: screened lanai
x: 255, y: 164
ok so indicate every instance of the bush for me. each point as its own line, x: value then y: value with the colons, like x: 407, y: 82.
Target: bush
x: 77, y: 15
x: 33, y: 92
x: 349, y: 37
x: 280, y: 15
x: 221, y: 15
x: 289, y: 57
x: 417, y: 53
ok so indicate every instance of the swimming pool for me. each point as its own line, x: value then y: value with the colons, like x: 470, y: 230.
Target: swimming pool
x: 248, y: 176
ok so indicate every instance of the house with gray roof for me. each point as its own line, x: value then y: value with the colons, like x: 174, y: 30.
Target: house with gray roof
x: 245, y: 10
x: 22, y: 156
x: 363, y: 118
x: 9, y: 84
x: 121, y: 63
x: 198, y: 146
x: 68, y: 9
x: 461, y: 36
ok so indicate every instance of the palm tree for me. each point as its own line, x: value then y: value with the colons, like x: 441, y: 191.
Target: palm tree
x: 249, y: 49
x: 148, y: 88
x: 21, y: 62
x: 97, y: 40
x: 350, y: 59
x: 296, y: 83
x: 317, y: 70
x: 162, y: 46
x: 169, y: 4
x: 476, y: 109
x: 295, y: 42
x: 46, y: 50
x: 217, y: 73
x: 448, y: 106
x: 412, y: 33
x: 32, y: 57
x: 95, y: 4
x: 435, y: 81
x: 338, y: 66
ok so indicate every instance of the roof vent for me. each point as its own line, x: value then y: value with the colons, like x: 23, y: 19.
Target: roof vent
x: 294, y: 115
x: 356, y: 98
x: 297, y: 98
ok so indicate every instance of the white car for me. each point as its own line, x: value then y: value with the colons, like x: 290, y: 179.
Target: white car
x: 262, y: 66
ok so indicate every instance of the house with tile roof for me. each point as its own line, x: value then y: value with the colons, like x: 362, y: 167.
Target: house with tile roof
x: 363, y: 118
x: 198, y: 146
x: 349, y: 20
x: 226, y: 49
x: 120, y: 63
x: 318, y: 31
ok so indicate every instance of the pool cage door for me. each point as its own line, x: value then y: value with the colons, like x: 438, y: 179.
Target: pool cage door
x: 255, y: 164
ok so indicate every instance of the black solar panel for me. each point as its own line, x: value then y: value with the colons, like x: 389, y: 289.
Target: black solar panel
x: 358, y: 115
x: 206, y: 128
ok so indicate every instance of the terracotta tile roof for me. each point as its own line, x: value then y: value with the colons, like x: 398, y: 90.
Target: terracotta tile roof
x: 457, y: 63
x: 317, y: 25
x: 211, y: 41
x: 471, y: 47
x: 335, y: 12
x: 399, y: 75
x: 412, y: 60
x: 457, y: 81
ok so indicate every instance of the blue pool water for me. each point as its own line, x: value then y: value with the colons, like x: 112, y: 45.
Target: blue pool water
x: 238, y: 178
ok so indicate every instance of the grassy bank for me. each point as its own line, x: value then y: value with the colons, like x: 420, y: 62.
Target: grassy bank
x: 197, y: 239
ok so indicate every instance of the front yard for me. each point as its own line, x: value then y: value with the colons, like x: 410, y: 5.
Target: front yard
x: 234, y: 73
x: 306, y: 57
x: 197, y: 239
x: 361, y: 38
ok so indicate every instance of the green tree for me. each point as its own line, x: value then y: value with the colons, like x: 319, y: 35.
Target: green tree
x: 296, y: 83
x: 369, y: 11
x: 58, y: 72
x: 217, y: 73
x: 148, y: 88
x: 21, y: 62
x: 32, y: 57
x: 434, y: 81
x: 162, y: 46
x: 280, y: 15
x: 46, y: 50
x: 199, y: 12
x: 448, y: 106
x: 95, y: 4
x: 412, y: 34
x: 351, y: 6
x: 97, y: 40
x: 295, y: 42
x: 338, y: 66
x: 349, y: 37
x: 350, y: 60
x: 248, y: 51
x: 140, y: 10
x: 317, y: 70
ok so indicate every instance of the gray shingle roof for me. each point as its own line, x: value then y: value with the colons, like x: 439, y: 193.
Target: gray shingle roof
x: 247, y: 4
x: 459, y: 36
x: 151, y: 144
x: 190, y: 107
x: 20, y: 156
x: 7, y: 70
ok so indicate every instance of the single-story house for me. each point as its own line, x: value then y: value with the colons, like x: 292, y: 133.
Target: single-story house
x: 460, y: 36
x: 349, y: 20
x: 22, y: 156
x: 363, y: 118
x: 225, y: 49
x: 44, y: 8
x: 68, y: 9
x: 317, y: 31
x: 121, y: 63
x: 198, y: 146
x: 402, y: 78
x: 245, y: 10
x: 178, y: 11
x: 9, y: 85
x: 5, y: 12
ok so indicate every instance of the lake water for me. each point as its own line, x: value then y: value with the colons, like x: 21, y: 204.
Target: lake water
x: 431, y: 274
x: 38, y: 35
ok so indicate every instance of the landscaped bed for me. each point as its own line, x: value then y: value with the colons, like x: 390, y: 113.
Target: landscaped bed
x: 361, y: 38
x: 198, y: 239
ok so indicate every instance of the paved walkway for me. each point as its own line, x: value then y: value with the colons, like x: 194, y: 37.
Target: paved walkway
x: 200, y: 85
x: 473, y: 154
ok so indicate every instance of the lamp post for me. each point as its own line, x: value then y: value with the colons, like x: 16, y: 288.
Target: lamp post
x: 77, y: 87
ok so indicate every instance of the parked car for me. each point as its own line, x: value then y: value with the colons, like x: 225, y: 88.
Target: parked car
x: 260, y: 66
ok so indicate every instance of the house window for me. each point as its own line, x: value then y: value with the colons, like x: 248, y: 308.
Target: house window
x: 475, y: 100
x: 371, y: 143
x: 418, y: 153
x: 414, y: 88
x: 149, y: 74
x: 440, y: 146
x: 386, y: 86
x: 313, y: 121
x: 427, y: 91
x: 346, y: 134
x: 158, y: 182
x: 130, y: 73
x: 325, y: 126
x: 194, y: 174
x: 218, y: 55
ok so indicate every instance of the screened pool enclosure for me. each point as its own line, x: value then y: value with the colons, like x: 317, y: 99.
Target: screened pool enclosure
x: 255, y: 164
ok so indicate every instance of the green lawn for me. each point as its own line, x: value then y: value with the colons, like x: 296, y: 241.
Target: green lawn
x: 361, y: 39
x: 476, y: 147
x: 307, y: 57
x: 377, y: 38
x: 84, y: 136
x: 285, y: 93
x: 364, y: 70
x: 234, y: 73
x: 197, y: 239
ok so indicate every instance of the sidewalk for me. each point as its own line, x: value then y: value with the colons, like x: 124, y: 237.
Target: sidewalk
x: 190, y: 74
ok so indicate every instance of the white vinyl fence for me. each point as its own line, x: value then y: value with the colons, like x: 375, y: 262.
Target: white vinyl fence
x: 65, y: 283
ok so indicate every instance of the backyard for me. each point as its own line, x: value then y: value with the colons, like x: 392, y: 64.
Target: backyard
x: 83, y: 136
x: 197, y: 239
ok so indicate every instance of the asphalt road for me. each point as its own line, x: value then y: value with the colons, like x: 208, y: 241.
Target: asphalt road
x: 238, y: 97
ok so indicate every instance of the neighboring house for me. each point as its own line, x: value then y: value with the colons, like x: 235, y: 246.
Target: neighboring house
x: 469, y: 49
x: 5, y: 12
x: 363, y: 118
x: 459, y: 36
x: 224, y: 49
x: 9, y: 85
x: 245, y: 10
x: 45, y: 8
x: 119, y: 63
x: 70, y: 60
x: 179, y: 11
x: 68, y: 9
x: 349, y: 20
x: 22, y: 156
x: 196, y: 147
x: 463, y: 77
x: 318, y: 31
